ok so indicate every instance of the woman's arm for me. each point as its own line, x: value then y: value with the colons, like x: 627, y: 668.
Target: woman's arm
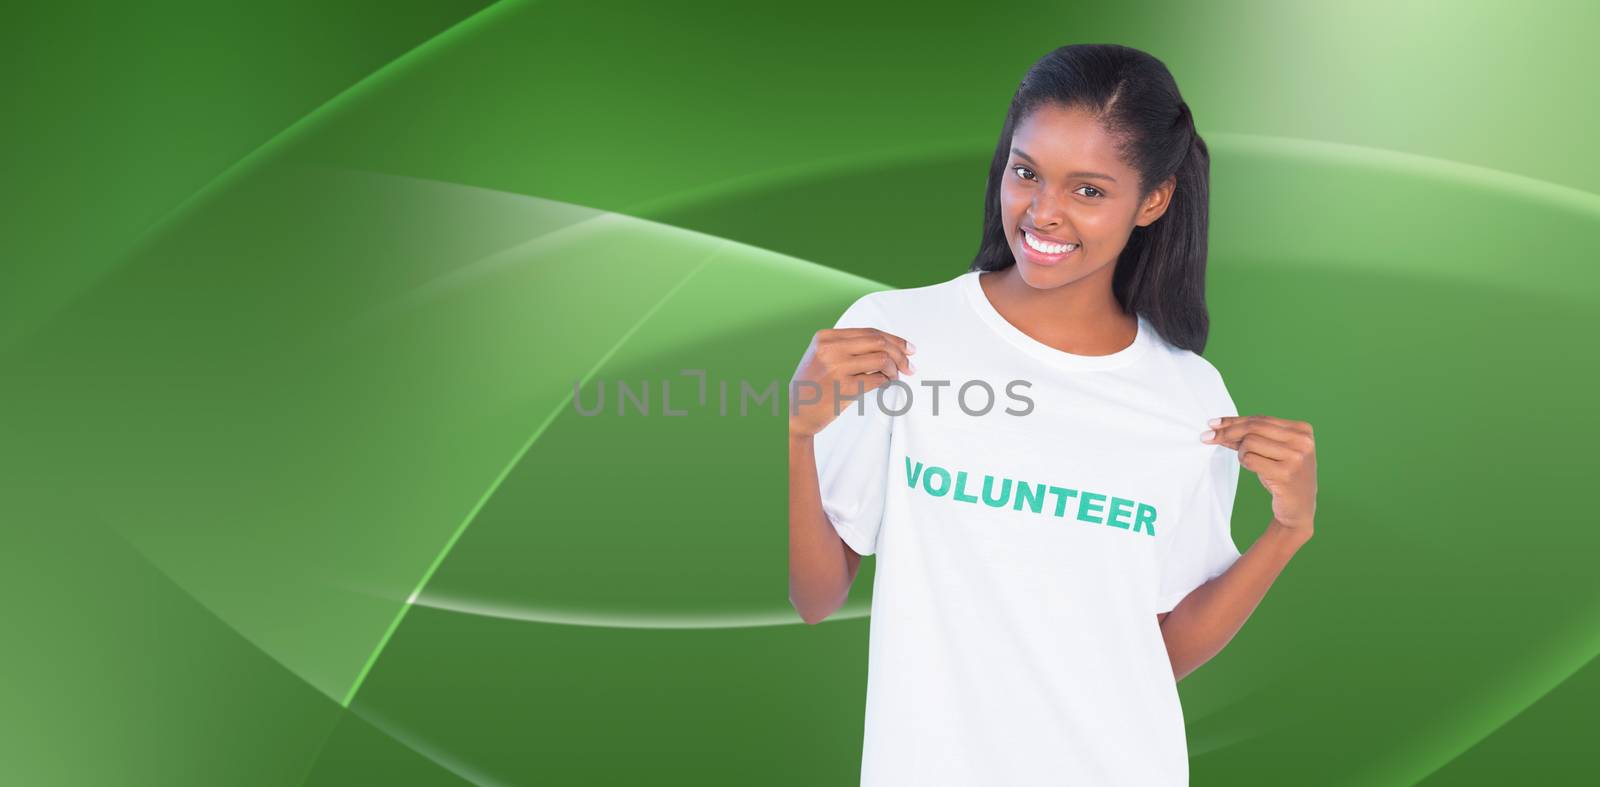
x: 1282, y: 454
x: 821, y: 567
x: 1206, y: 619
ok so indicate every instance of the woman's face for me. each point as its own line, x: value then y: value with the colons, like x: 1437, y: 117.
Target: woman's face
x: 1066, y: 184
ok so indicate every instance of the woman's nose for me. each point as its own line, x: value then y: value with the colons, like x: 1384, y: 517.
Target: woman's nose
x: 1048, y: 211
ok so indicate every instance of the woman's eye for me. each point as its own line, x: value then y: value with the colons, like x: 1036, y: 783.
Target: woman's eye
x: 1019, y: 169
x: 1097, y: 193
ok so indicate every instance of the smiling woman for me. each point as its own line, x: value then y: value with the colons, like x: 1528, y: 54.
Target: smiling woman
x: 1074, y: 200
x: 1089, y: 282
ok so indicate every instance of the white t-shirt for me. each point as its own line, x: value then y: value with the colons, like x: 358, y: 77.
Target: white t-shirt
x: 1021, y: 560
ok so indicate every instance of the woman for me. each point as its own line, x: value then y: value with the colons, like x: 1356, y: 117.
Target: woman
x: 1048, y: 571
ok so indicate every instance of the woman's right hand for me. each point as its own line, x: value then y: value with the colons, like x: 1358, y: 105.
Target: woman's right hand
x: 856, y: 360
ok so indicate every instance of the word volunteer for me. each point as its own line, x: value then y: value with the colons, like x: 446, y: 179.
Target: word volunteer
x: 1092, y: 507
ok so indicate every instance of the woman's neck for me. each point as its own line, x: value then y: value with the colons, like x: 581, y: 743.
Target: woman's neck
x: 1080, y: 317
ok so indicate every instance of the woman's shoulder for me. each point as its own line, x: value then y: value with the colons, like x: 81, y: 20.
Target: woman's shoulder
x: 1201, y: 378
x: 901, y: 305
x: 1195, y: 365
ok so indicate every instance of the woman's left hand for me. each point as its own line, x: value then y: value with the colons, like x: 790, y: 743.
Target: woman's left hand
x: 1283, y: 455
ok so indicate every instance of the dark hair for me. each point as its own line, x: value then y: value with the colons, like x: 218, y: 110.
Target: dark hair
x: 1161, y: 273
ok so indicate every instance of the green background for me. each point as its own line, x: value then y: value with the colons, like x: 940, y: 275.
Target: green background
x: 294, y: 297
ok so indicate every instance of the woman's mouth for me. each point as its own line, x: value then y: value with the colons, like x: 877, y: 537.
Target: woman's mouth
x: 1045, y: 253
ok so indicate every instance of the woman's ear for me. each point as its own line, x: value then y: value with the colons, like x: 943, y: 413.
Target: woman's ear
x: 1156, y: 204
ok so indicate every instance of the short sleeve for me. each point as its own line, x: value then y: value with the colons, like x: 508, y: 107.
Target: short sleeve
x: 852, y: 451
x: 1201, y: 546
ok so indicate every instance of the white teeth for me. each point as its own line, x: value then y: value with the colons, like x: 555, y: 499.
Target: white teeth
x: 1047, y: 248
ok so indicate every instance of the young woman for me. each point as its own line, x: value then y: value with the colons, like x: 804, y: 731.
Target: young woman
x: 1047, y: 571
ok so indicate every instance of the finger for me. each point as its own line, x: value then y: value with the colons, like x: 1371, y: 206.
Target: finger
x: 1263, y: 466
x: 846, y: 334
x: 879, y: 344
x: 878, y: 360
x: 898, y: 349
x: 1298, y: 426
x: 898, y: 338
x: 867, y: 340
x: 1232, y: 430
x: 1266, y: 446
x: 1255, y: 441
x: 890, y: 368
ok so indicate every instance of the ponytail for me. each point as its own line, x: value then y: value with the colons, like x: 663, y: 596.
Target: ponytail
x: 1161, y: 273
